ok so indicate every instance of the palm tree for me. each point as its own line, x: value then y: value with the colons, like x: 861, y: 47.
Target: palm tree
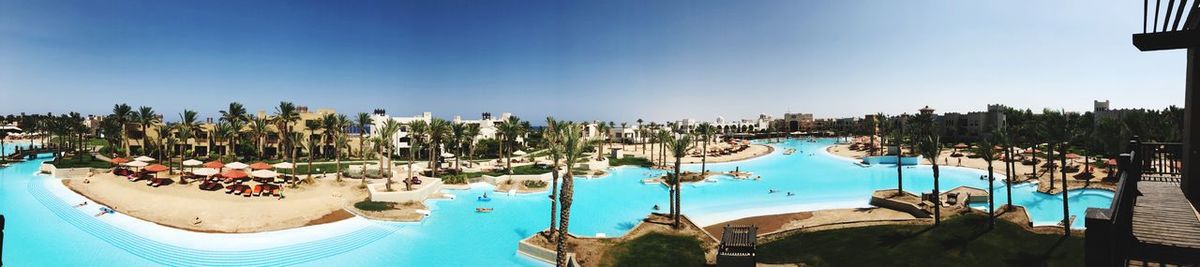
x: 259, y: 129
x: 166, y: 144
x: 986, y: 151
x: 122, y: 113
x: 376, y: 144
x: 1065, y: 130
x: 471, y: 132
x: 572, y: 147
x: 706, y: 132
x: 554, y: 148
x: 285, y: 116
x: 387, y: 136
x: 510, y: 129
x: 623, y: 139
x: 663, y: 137
x: 236, y: 116
x: 336, y: 128
x: 313, y: 126
x: 930, y: 147
x: 438, y: 129
x: 678, y: 147
x: 147, y: 118
x: 362, y: 121
x: 188, y: 124
x: 603, y: 130
x: 416, y: 138
x: 234, y: 133
x: 1009, y: 163
x: 458, y: 136
x: 641, y: 135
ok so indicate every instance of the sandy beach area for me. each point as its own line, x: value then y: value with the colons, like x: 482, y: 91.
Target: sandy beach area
x: 791, y: 221
x: 189, y: 208
x: 754, y: 151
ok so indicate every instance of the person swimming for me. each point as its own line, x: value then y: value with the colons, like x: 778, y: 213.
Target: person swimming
x: 81, y: 204
x: 656, y: 207
x: 105, y: 210
x: 772, y: 191
x: 790, y: 194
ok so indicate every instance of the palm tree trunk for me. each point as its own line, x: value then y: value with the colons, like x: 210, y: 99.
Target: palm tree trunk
x: 1009, y: 171
x: 565, y: 219
x: 991, y: 198
x: 704, y: 158
x: 678, y: 181
x: 937, y: 197
x: 1066, y: 206
x: 899, y: 170
x: 553, y: 201
x: 1050, y: 163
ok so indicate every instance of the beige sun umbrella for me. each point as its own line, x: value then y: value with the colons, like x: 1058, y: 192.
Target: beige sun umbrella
x: 237, y: 165
x: 284, y: 165
x: 138, y: 164
x: 143, y: 159
x: 264, y: 174
x: 205, y: 171
x: 192, y: 163
x: 519, y: 153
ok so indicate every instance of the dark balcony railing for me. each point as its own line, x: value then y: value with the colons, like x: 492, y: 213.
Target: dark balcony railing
x: 1160, y: 158
x: 1110, y: 231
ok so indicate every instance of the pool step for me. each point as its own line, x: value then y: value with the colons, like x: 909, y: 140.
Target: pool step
x: 172, y: 255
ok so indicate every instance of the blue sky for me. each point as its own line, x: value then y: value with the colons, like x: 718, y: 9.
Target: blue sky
x: 607, y: 60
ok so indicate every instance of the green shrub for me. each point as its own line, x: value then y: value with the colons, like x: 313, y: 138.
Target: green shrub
x: 630, y: 160
x: 368, y: 205
x: 535, y: 183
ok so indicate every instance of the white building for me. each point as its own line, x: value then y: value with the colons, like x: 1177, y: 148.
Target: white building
x: 488, y: 125
x: 401, y: 140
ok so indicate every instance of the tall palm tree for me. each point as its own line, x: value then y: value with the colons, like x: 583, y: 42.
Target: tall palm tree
x: 663, y: 137
x: 234, y: 132
x: 678, y: 147
x: 285, y: 117
x: 387, y: 137
x: 335, y: 126
x: 236, y: 116
x: 985, y: 149
x: 147, y: 118
x: 458, y: 136
x: 416, y: 138
x: 363, y: 121
x: 188, y: 125
x: 167, y: 141
x: 623, y: 139
x: 510, y: 129
x: 471, y: 132
x: 552, y: 134
x: 641, y: 135
x: 313, y: 126
x: 1063, y: 134
x: 573, y: 146
x: 438, y: 130
x: 930, y: 147
x: 603, y: 130
x: 259, y: 130
x: 1009, y: 163
x: 122, y: 113
x: 706, y: 132
x: 376, y: 144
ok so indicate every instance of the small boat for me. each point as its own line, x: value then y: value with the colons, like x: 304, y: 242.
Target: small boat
x: 789, y: 151
x: 484, y: 199
x: 483, y: 210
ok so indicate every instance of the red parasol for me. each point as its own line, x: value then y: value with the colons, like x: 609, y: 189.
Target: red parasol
x: 1110, y: 162
x: 156, y: 168
x: 119, y: 160
x: 234, y: 174
x: 260, y: 166
x: 216, y: 164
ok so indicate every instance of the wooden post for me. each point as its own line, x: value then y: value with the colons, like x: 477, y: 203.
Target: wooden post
x: 1191, y: 120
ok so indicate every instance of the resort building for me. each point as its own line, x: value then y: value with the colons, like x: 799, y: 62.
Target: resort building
x: 401, y: 139
x: 837, y: 125
x: 628, y: 134
x: 798, y: 121
x: 488, y: 125
x: 1102, y: 111
x: 744, y: 125
x: 971, y: 126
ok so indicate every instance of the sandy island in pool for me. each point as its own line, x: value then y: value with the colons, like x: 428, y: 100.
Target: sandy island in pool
x: 184, y: 206
x: 753, y: 151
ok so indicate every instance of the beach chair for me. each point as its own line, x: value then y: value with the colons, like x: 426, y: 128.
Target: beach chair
x: 258, y: 189
x: 951, y: 199
x: 231, y: 188
x: 247, y: 191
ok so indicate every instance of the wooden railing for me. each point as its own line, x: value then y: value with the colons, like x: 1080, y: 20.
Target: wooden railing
x: 1109, y: 233
x: 1160, y: 158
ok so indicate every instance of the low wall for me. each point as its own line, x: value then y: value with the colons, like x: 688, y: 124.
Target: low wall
x: 536, y: 252
x: 427, y: 188
x: 909, y: 208
x: 876, y: 160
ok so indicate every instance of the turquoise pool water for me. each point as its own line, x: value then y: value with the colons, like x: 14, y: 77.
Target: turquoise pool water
x: 46, y: 231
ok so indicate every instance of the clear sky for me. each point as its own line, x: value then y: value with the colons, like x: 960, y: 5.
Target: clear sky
x: 607, y: 60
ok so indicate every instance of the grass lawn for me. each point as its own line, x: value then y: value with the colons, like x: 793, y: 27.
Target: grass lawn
x: 656, y: 249
x: 302, y: 168
x: 523, y: 170
x: 960, y: 241
x: 629, y: 160
x: 81, y: 161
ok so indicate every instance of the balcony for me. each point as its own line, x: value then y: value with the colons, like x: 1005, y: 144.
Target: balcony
x: 1150, y: 220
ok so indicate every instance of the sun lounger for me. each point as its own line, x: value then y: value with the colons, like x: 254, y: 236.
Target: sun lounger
x: 258, y: 189
x: 247, y: 191
x: 951, y: 199
x: 229, y: 189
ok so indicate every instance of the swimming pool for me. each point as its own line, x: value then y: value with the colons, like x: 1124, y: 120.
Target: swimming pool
x: 45, y: 230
